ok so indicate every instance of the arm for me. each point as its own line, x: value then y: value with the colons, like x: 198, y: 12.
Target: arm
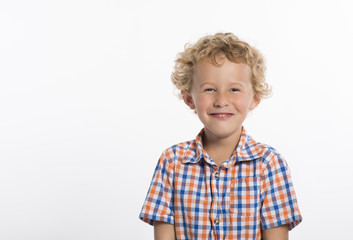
x: 163, y: 231
x: 276, y: 233
x: 277, y: 192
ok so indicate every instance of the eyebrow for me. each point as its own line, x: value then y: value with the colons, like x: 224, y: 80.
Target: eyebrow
x: 206, y: 83
x: 232, y: 83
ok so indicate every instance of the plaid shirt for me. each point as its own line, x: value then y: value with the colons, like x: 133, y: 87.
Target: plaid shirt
x: 250, y: 191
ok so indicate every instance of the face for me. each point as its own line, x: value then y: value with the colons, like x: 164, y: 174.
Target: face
x: 222, y: 97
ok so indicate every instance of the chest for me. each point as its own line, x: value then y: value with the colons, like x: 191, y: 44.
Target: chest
x: 205, y: 187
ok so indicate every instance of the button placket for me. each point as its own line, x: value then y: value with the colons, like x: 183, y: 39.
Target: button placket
x: 215, y: 195
x: 216, y: 177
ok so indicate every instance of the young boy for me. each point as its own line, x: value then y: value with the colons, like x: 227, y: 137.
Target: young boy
x: 223, y: 184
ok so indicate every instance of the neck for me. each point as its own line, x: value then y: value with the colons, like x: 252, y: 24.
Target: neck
x: 220, y: 148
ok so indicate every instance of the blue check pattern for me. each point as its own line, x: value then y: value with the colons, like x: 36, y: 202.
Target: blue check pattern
x: 249, y: 192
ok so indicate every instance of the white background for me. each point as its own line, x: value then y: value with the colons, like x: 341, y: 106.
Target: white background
x: 87, y: 107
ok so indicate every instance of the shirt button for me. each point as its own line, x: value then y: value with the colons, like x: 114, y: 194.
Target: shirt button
x: 216, y: 175
x: 216, y: 221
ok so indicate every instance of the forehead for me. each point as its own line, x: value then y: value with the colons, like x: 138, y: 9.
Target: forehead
x: 223, y: 71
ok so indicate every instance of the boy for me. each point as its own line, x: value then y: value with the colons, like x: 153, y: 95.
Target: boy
x: 223, y: 184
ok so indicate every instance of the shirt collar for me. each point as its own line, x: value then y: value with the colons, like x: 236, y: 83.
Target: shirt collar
x: 246, y: 150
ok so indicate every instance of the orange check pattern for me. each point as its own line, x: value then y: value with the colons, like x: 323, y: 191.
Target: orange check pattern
x: 249, y: 192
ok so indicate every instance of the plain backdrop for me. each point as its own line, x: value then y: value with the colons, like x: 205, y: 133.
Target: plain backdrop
x: 87, y: 107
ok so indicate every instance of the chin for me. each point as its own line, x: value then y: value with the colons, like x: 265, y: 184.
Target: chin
x: 223, y: 134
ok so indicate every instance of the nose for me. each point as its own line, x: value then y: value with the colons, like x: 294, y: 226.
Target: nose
x: 221, y: 100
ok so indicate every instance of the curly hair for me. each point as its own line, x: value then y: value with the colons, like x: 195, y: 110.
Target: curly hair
x: 216, y: 46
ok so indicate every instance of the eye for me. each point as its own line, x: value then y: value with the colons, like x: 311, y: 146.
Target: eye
x: 209, y: 90
x: 234, y: 90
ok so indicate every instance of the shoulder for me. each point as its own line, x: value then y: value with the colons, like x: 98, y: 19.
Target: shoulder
x: 269, y: 154
x: 179, y: 151
x: 272, y: 160
x: 250, y: 149
x: 253, y: 149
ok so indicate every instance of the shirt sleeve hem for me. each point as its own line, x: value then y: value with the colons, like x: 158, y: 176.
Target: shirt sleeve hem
x: 292, y: 223
x: 150, y: 219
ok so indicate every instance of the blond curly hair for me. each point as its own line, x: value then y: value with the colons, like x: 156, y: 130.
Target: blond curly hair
x: 213, y: 47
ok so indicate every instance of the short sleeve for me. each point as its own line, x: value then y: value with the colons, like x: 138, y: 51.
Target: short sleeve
x: 279, y: 202
x: 158, y: 205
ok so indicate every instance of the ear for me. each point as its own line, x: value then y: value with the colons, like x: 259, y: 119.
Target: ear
x: 255, y: 101
x: 188, y: 99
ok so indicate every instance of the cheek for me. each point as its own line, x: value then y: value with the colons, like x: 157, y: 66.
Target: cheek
x: 242, y: 103
x: 203, y: 102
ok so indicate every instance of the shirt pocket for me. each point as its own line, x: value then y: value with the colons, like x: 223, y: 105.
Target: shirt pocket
x: 244, y: 196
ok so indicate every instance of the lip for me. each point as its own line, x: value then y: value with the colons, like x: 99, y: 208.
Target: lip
x: 221, y: 115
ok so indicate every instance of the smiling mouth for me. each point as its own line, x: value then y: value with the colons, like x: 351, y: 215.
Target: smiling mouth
x: 221, y: 114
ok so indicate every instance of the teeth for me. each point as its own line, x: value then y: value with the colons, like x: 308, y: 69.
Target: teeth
x: 221, y: 115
